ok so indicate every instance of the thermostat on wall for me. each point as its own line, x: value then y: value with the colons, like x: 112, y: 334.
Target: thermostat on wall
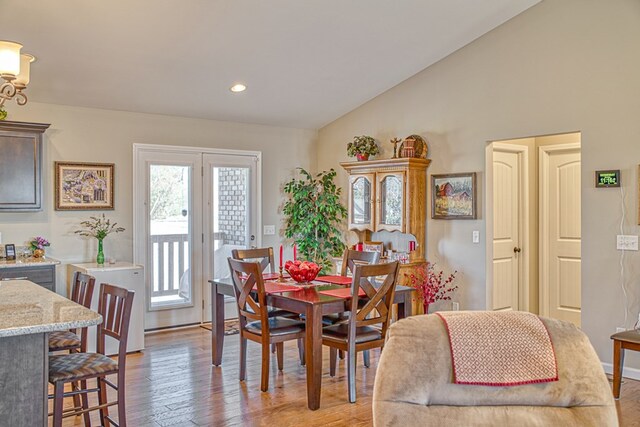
x: 610, y: 178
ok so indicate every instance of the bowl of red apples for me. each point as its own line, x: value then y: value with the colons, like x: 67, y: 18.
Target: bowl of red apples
x: 302, y: 271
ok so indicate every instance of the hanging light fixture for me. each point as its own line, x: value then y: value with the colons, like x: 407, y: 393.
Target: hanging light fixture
x: 14, y: 72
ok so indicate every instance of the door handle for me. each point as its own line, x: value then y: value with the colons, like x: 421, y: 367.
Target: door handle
x: 517, y: 250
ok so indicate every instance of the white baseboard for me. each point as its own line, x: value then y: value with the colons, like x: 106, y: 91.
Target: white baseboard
x: 632, y: 373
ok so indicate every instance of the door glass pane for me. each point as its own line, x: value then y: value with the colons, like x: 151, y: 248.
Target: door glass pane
x: 391, y: 193
x: 230, y: 215
x: 170, y: 234
x: 360, y: 205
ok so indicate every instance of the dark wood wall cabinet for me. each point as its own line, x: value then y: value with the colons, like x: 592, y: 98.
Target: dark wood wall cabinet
x: 21, y: 166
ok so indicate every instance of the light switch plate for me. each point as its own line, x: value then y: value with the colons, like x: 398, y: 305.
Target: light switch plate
x: 269, y: 230
x: 627, y: 243
x: 476, y: 236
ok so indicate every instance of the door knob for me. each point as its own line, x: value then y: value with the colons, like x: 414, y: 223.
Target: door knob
x: 517, y: 250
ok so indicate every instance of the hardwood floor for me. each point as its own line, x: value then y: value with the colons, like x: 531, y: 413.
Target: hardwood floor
x: 174, y: 384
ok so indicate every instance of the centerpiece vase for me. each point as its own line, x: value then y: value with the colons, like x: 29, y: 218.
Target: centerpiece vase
x: 100, y: 257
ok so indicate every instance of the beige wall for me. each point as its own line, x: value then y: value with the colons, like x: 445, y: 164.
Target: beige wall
x: 91, y: 135
x: 561, y: 66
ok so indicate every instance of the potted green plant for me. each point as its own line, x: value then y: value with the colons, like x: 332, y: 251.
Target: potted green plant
x: 313, y: 213
x: 362, y: 147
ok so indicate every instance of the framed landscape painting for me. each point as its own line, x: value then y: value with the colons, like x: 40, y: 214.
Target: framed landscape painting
x: 83, y: 186
x: 453, y: 196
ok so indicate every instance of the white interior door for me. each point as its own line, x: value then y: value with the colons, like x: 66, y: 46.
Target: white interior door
x: 231, y: 217
x: 506, y: 230
x: 168, y: 227
x: 560, y: 232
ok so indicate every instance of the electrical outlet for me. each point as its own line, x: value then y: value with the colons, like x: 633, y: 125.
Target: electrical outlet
x: 269, y: 230
x: 619, y: 329
x: 455, y: 306
x: 627, y: 243
x: 476, y: 236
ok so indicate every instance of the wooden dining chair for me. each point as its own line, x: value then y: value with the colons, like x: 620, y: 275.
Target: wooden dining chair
x: 262, y: 255
x: 626, y: 340
x: 114, y: 305
x: 351, y: 258
x: 367, y: 325
x: 265, y: 257
x: 255, y: 323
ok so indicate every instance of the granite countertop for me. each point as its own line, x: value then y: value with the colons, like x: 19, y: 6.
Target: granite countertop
x: 28, y: 262
x: 27, y: 308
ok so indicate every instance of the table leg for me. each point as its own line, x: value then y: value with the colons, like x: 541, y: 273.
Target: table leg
x: 404, y: 307
x: 313, y: 356
x: 217, y: 325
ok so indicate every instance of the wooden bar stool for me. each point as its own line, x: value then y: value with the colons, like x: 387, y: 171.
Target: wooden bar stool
x: 627, y: 340
x: 74, y: 340
x: 114, y: 305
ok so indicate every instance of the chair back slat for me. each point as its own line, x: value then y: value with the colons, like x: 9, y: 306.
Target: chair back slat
x: 262, y: 255
x: 251, y: 305
x: 377, y: 310
x: 82, y: 293
x: 351, y: 258
x: 114, y: 305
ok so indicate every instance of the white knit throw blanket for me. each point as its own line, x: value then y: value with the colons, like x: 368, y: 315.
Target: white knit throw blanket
x: 499, y: 348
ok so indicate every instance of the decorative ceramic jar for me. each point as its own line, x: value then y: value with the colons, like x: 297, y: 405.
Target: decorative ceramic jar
x: 38, y: 253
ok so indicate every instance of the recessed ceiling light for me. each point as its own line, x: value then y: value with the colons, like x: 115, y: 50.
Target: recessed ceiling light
x: 238, y: 87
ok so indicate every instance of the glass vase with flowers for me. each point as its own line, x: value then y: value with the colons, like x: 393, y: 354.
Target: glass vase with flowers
x: 99, y: 227
x: 431, y: 284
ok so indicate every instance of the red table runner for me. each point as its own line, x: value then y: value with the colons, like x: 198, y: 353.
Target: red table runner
x: 341, y: 293
x: 274, y: 288
x: 337, y: 280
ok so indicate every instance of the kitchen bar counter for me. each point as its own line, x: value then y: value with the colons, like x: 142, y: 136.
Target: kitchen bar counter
x: 28, y: 312
x: 28, y: 262
x: 27, y: 308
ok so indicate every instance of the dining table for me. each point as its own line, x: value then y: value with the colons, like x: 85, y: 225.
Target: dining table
x: 308, y: 300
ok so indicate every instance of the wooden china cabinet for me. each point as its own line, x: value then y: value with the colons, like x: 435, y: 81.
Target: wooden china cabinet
x: 390, y: 195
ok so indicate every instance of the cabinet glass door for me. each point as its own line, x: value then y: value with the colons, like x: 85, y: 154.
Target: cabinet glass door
x: 391, y: 201
x: 360, y: 197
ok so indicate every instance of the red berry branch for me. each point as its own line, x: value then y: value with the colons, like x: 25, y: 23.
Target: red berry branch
x: 431, y: 285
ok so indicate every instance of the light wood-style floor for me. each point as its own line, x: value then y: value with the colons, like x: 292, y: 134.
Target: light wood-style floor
x: 172, y: 383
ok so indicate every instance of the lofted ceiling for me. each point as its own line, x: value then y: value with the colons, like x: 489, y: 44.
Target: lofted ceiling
x: 305, y: 62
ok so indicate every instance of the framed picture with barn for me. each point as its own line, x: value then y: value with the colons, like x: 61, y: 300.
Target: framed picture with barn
x: 83, y: 186
x: 453, y: 196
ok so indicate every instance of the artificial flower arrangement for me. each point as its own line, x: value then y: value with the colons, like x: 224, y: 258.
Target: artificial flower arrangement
x: 98, y: 227
x: 37, y: 245
x: 362, y: 147
x: 431, y: 285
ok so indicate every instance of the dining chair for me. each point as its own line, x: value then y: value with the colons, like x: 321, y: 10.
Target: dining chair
x: 366, y: 327
x: 263, y: 255
x: 75, y: 340
x: 255, y: 323
x: 350, y: 259
x: 626, y: 340
x: 114, y: 305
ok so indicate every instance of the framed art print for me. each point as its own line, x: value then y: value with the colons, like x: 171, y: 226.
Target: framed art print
x: 83, y: 186
x: 453, y: 196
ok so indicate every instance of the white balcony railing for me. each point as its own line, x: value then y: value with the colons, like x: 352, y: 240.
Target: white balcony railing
x: 170, y: 254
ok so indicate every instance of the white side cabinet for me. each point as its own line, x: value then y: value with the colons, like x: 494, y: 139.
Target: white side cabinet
x: 125, y: 275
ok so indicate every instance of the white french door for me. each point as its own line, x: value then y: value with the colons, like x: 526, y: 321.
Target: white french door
x: 230, y: 219
x: 191, y: 208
